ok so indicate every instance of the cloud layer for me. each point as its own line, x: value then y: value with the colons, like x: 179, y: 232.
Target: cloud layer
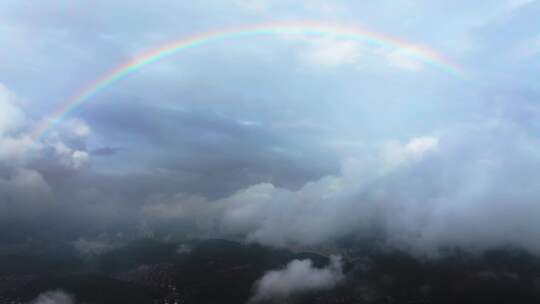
x: 274, y: 139
x: 297, y: 277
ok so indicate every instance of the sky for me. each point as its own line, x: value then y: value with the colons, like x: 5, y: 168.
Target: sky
x: 284, y: 139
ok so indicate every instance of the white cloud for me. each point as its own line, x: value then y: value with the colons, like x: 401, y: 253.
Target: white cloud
x: 54, y: 297
x: 69, y: 157
x: 17, y: 145
x: 80, y: 158
x: 298, y: 276
x: 14, y: 144
x: 331, y: 52
x: 11, y: 116
x: 79, y: 127
x: 420, y: 145
x: 401, y: 59
x: 334, y: 52
x: 394, y: 153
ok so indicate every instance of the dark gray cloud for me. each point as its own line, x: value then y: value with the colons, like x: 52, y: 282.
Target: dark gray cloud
x: 219, y: 154
x: 105, y: 151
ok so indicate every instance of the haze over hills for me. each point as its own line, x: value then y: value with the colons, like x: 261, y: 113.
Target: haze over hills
x: 210, y: 271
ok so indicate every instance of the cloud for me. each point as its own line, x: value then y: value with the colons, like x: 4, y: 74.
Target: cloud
x: 14, y: 143
x: 18, y: 146
x: 79, y: 127
x: 334, y: 52
x: 241, y: 144
x: 320, y: 210
x: 297, y: 277
x: 180, y: 207
x: 401, y: 59
x: 395, y: 153
x: 105, y: 151
x: 98, y: 246
x: 69, y: 157
x: 183, y: 249
x: 447, y: 191
x: 421, y: 145
x: 11, y: 116
x: 54, y: 297
x: 24, y: 194
x: 329, y: 52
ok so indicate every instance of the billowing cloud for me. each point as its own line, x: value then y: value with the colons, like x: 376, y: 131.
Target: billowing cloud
x: 17, y: 142
x: 321, y: 210
x: 297, y: 277
x: 430, y: 193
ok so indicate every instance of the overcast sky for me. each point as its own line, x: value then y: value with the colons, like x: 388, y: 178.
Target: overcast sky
x: 282, y: 139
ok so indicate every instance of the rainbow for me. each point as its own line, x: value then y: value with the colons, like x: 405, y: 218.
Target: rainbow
x: 416, y: 52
